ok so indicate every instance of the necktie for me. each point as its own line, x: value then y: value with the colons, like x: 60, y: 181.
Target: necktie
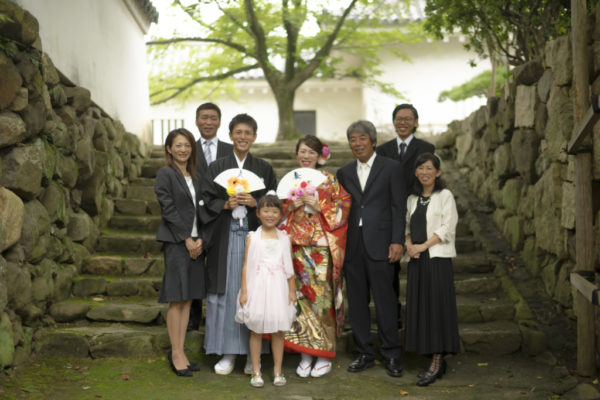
x: 207, y: 152
x: 363, y: 175
x: 402, y: 150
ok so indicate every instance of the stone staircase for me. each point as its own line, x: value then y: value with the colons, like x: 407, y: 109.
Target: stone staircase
x: 113, y: 310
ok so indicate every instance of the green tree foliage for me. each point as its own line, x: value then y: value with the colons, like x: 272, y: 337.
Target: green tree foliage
x: 286, y: 42
x: 515, y: 30
x: 478, y: 86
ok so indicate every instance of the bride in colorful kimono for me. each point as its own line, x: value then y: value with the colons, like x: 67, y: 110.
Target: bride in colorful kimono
x: 318, y: 243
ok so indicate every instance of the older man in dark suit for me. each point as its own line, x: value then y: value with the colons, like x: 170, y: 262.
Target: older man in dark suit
x: 375, y: 241
x: 210, y: 148
x: 405, y: 148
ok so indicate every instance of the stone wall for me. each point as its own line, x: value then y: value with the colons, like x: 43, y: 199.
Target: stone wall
x: 62, y: 161
x: 513, y: 154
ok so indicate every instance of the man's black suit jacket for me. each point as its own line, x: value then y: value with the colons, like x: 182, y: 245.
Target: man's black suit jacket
x: 223, y: 150
x: 416, y: 147
x: 381, y: 205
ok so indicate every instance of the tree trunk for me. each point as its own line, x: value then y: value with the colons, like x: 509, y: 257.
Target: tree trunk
x: 285, y: 106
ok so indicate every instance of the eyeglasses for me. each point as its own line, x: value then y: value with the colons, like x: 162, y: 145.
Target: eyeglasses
x: 405, y: 119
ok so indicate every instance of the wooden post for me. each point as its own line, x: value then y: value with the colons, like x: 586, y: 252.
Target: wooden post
x: 586, y: 336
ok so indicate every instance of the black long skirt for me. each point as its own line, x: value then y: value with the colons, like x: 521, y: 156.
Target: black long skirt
x: 431, y: 317
x: 184, y: 278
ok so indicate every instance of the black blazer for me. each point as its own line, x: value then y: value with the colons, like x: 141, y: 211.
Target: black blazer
x: 416, y: 147
x: 176, y: 204
x: 382, y: 206
x: 223, y: 150
x: 216, y: 220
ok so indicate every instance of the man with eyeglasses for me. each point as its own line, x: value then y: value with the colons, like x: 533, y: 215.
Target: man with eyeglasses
x: 208, y: 121
x: 405, y: 148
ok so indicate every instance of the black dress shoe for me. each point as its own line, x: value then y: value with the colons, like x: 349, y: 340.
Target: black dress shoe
x: 193, y: 367
x: 179, y: 372
x: 393, y: 367
x: 361, y: 363
x: 429, y: 377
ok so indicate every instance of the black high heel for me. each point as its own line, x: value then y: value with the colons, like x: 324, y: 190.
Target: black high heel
x: 442, y: 367
x: 193, y: 367
x: 179, y: 372
x: 428, y: 377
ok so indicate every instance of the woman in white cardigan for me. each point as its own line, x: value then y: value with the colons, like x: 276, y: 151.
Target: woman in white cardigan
x: 431, y: 317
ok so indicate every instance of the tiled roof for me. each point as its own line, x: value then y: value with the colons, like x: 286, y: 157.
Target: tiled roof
x: 149, y: 10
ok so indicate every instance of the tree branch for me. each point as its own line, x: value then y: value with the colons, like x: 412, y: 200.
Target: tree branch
x: 272, y: 75
x: 181, y: 89
x: 292, y: 31
x: 235, y: 46
x: 305, y: 73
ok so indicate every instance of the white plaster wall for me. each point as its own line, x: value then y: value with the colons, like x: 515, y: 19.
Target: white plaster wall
x: 98, y: 45
x: 434, y: 67
x: 337, y: 104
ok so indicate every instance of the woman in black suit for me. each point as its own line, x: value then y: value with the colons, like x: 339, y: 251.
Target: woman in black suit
x: 178, y: 190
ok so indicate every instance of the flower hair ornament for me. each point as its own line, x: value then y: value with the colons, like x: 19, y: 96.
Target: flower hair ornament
x: 325, y: 155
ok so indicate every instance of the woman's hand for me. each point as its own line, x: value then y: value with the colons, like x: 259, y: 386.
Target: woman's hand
x: 297, y: 203
x: 292, y: 297
x: 243, y: 298
x: 192, y: 247
x: 415, y: 250
x: 311, y: 200
x: 245, y: 199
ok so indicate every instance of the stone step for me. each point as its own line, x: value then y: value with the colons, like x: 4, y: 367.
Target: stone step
x: 465, y: 283
x: 114, y: 286
x: 293, y: 164
x: 490, y: 338
x: 473, y: 263
x: 120, y: 241
x: 140, y: 192
x: 99, y: 340
x: 137, y: 207
x: 140, y: 223
x: 124, y: 265
x: 151, y: 166
x: 143, y: 181
x: 467, y: 244
x: 139, y: 310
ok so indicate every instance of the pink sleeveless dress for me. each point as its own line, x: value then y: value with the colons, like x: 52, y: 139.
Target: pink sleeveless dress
x: 268, y: 267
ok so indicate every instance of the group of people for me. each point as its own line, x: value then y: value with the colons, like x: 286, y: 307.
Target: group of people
x: 273, y: 269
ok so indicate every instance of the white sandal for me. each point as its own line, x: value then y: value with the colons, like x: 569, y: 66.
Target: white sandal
x: 322, y: 367
x: 279, y: 380
x: 257, y: 380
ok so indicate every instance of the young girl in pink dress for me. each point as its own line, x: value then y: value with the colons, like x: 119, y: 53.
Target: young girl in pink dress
x: 267, y: 297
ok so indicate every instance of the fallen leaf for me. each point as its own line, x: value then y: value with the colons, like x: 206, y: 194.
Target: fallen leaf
x: 540, y: 377
x: 403, y: 393
x: 99, y: 396
x: 482, y: 364
x: 85, y: 387
x: 150, y: 383
x: 125, y: 377
x: 98, y: 299
x: 471, y: 385
x: 532, y: 389
x: 595, y: 381
x: 68, y: 366
x: 84, y: 368
x: 76, y: 368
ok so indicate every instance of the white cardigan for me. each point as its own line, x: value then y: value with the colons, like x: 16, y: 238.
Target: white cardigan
x: 441, y: 220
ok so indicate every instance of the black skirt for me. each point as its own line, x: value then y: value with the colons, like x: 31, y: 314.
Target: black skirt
x: 184, y: 278
x: 431, y: 317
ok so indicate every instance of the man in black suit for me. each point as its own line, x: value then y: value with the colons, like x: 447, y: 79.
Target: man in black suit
x: 210, y: 148
x: 405, y: 148
x: 375, y: 241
